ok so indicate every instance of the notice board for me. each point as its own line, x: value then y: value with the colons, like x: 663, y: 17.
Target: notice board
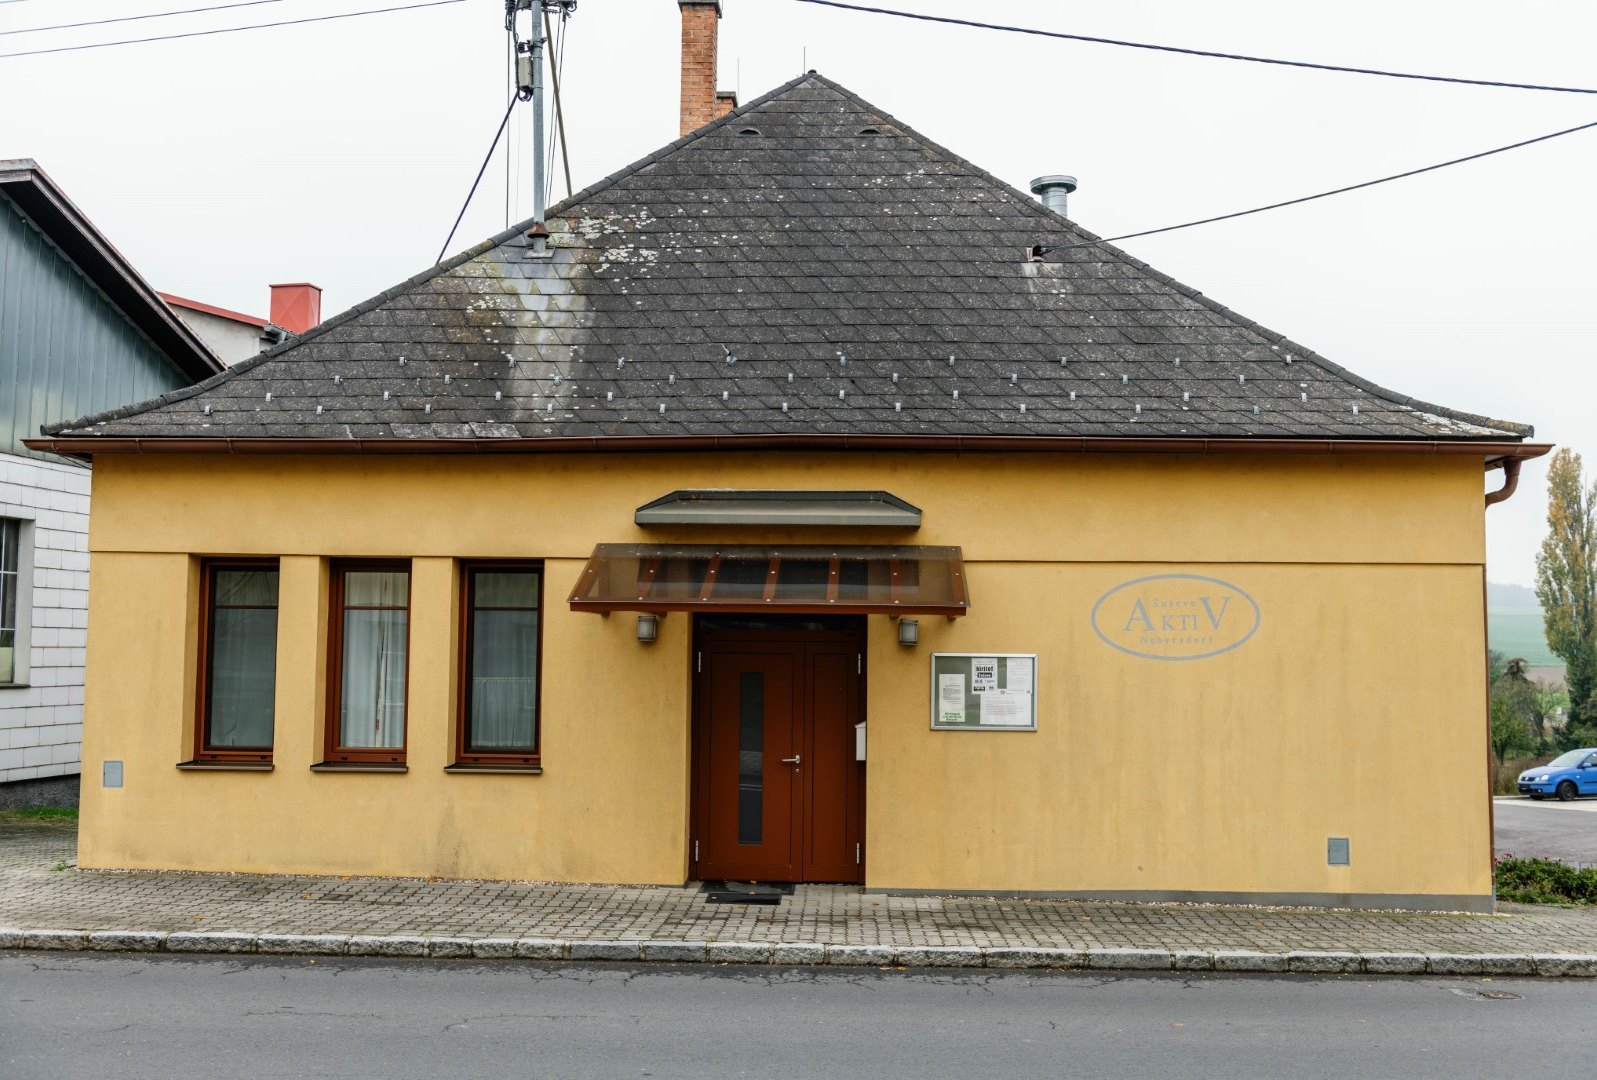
x: 984, y: 691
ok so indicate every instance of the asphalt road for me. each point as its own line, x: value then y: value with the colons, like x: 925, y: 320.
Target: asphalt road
x: 117, y: 1016
x: 1563, y: 831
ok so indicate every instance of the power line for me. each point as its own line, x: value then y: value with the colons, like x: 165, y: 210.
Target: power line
x: 491, y: 148
x: 135, y: 18
x: 229, y: 29
x: 1033, y: 31
x: 555, y: 41
x: 510, y: 156
x: 555, y: 71
x: 1336, y: 191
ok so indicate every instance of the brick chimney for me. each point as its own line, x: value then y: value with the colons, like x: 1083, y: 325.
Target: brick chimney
x: 700, y: 103
x: 296, y: 307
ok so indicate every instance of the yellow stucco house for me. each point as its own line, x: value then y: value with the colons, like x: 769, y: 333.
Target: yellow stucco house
x: 802, y: 504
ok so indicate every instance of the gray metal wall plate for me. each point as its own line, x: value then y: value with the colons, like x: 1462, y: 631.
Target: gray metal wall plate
x: 111, y: 774
x: 1336, y: 850
x: 763, y: 507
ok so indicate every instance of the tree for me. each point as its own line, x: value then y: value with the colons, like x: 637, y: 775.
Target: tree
x: 1566, y: 580
x: 1509, y: 732
x: 1577, y: 737
x: 1546, y: 703
x: 1514, y: 689
x: 1496, y: 666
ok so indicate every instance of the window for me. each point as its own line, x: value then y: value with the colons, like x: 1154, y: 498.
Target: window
x: 11, y: 605
x: 366, y: 674
x: 499, y: 665
x: 238, y: 661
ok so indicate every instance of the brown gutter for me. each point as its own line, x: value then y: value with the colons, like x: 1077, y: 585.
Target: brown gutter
x: 1494, y: 452
x: 1510, y: 482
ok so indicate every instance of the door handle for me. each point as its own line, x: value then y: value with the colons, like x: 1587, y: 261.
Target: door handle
x: 794, y: 760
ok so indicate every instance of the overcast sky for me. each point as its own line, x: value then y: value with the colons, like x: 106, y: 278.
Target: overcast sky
x: 339, y: 152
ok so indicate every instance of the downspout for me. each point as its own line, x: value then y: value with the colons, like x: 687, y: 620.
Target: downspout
x: 1510, y: 482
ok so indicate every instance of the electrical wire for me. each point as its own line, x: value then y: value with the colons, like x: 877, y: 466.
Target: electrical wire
x: 1033, y: 31
x: 136, y: 18
x: 231, y: 29
x: 552, y: 57
x: 510, y: 156
x: 491, y: 148
x: 1336, y: 191
x: 557, y: 72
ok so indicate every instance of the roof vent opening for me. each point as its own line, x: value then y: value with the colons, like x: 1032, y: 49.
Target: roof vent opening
x: 870, y: 131
x: 1053, y: 191
x: 749, y: 131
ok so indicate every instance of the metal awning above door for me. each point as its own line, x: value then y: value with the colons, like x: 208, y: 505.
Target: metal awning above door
x: 716, y: 506
x: 806, y: 578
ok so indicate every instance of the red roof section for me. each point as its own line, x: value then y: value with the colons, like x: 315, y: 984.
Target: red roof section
x: 211, y: 309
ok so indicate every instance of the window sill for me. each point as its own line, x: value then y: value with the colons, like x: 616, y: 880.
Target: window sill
x: 360, y: 767
x: 15, y: 686
x: 491, y: 770
x: 225, y: 766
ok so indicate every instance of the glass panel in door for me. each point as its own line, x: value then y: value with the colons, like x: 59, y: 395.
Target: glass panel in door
x: 748, y: 744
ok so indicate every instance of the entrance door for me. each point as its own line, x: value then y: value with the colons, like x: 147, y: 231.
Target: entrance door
x: 777, y: 790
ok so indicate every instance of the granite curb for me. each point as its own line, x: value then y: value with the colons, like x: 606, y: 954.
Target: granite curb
x: 455, y: 947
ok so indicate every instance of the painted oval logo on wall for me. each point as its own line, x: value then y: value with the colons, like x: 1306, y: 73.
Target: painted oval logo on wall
x: 1175, y: 617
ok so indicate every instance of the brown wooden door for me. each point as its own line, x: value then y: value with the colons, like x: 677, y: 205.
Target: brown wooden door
x: 776, y: 786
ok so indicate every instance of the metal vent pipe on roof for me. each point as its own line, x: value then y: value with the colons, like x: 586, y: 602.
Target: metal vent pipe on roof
x: 1053, y: 190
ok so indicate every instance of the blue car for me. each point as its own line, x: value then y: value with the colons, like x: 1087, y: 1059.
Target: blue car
x: 1566, y: 776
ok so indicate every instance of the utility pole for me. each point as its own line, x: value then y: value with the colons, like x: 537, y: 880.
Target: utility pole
x: 529, y: 77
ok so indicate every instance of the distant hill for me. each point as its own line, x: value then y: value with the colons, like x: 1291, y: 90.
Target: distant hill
x: 1514, y: 624
x: 1511, y: 598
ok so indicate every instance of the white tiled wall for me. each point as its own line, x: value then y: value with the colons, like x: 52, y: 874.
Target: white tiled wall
x: 41, y: 724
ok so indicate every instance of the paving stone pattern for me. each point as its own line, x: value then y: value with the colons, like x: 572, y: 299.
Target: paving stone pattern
x: 42, y: 907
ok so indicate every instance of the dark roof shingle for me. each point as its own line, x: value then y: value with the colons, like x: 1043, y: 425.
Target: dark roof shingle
x: 778, y: 272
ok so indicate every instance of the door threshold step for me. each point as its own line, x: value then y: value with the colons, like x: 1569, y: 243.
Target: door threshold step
x: 745, y: 892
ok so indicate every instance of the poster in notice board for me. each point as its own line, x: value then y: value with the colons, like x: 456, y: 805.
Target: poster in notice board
x: 984, y: 691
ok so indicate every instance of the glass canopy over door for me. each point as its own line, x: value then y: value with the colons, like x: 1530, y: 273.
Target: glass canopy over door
x: 799, y: 578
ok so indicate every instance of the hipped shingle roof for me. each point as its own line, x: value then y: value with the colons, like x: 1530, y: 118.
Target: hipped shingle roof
x: 805, y: 265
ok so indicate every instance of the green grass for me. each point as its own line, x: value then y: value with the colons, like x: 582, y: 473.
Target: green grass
x: 39, y: 814
x: 1544, y: 881
x: 1522, y: 634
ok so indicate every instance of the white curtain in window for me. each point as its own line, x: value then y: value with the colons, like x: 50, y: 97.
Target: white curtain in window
x: 504, y: 687
x: 373, y: 713
x: 243, y: 677
x: 10, y: 585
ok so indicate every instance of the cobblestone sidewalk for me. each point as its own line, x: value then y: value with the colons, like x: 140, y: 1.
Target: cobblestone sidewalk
x: 45, y: 907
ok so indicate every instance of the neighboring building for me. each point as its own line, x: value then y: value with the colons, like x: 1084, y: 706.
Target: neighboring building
x: 79, y: 329
x: 580, y: 556
x: 235, y: 336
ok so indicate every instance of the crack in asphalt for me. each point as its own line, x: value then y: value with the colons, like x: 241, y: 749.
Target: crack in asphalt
x: 291, y: 1011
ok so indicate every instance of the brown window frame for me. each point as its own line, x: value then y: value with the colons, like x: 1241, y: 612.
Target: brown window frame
x: 202, y: 710
x: 333, y: 753
x: 464, y: 755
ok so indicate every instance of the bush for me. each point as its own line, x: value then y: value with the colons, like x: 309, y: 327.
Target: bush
x: 1505, y: 777
x: 1544, y: 881
x: 40, y: 813
x: 1576, y: 735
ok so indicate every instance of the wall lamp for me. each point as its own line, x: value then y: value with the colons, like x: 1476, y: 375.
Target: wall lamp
x: 648, y: 628
x: 909, y: 631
